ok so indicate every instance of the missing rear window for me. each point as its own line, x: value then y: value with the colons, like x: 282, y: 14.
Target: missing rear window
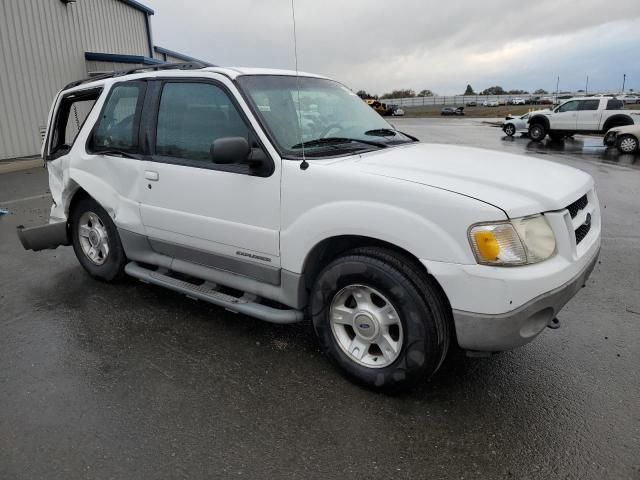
x: 70, y: 118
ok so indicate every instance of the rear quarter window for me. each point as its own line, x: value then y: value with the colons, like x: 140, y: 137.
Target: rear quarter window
x: 70, y: 117
x: 615, y: 104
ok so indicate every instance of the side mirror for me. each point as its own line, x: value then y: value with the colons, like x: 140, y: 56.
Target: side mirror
x: 229, y: 150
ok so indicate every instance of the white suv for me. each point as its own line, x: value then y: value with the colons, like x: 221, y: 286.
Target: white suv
x: 285, y: 197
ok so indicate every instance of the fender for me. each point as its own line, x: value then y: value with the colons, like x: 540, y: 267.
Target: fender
x: 543, y: 119
x: 617, y: 120
x: 123, y: 209
x: 408, y: 230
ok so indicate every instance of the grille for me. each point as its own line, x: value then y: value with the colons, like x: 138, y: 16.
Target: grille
x: 574, y: 208
x: 578, y: 205
x: 582, y: 231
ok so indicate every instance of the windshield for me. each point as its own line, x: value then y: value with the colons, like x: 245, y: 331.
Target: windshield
x: 327, y: 120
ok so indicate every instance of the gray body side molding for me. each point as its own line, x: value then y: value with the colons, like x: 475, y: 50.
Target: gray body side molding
x: 289, y: 291
x: 263, y: 273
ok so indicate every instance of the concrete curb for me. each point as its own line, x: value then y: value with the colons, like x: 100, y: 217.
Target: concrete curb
x: 19, y: 165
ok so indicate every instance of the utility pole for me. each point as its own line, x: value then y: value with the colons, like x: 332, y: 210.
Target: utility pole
x: 557, y: 86
x: 624, y: 79
x: 586, y: 87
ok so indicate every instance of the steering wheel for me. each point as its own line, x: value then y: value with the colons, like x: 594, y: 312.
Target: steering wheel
x: 330, y: 127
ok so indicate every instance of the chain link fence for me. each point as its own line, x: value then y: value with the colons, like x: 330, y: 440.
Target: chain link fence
x: 463, y: 100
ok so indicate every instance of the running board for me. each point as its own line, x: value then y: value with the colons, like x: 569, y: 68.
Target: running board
x: 208, y: 292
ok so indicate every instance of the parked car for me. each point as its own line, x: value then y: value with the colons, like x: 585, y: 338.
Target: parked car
x: 203, y: 180
x: 517, y: 124
x: 594, y: 115
x: 625, y: 138
x: 452, y: 111
x: 632, y: 99
x: 518, y: 101
x: 472, y: 104
x: 490, y: 103
x: 396, y: 111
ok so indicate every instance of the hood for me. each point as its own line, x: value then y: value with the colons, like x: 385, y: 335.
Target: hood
x: 633, y: 129
x: 517, y: 184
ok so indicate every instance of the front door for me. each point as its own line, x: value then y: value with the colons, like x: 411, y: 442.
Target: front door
x: 224, y: 216
x: 565, y: 117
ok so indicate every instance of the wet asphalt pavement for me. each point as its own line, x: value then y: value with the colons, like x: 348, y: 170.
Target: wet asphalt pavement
x: 132, y: 381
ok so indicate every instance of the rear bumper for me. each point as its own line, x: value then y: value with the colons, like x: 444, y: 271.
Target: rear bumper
x: 44, y: 237
x: 494, y: 333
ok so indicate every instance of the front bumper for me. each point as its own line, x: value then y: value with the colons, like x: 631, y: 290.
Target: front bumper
x: 609, y: 139
x: 498, y: 332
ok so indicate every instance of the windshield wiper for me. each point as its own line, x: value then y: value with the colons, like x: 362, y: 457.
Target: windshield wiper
x: 336, y: 140
x: 381, y: 132
x: 117, y: 153
x: 387, y: 132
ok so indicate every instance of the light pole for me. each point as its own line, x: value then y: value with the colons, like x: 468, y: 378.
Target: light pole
x: 557, y: 86
x: 624, y: 79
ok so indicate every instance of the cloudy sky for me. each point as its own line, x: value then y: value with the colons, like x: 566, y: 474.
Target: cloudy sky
x: 382, y: 45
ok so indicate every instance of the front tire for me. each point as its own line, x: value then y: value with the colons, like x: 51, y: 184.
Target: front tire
x: 384, y: 322
x: 537, y: 132
x: 510, y: 129
x: 96, y: 241
x: 627, y: 143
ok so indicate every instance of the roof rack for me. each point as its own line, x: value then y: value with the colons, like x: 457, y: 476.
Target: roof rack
x: 120, y: 73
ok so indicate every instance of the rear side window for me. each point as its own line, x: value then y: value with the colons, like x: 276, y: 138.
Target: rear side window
x: 117, y: 127
x: 191, y: 116
x: 615, y: 104
x: 70, y: 117
x: 589, y: 104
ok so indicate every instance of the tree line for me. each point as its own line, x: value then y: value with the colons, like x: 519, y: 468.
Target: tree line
x: 408, y: 92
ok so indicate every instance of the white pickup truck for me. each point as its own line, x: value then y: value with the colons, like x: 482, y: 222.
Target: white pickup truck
x: 587, y: 115
x: 286, y: 197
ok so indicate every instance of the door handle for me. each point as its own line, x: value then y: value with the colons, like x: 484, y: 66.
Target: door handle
x: 151, y: 175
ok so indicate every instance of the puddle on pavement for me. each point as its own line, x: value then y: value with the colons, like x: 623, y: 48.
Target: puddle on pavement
x: 589, y: 148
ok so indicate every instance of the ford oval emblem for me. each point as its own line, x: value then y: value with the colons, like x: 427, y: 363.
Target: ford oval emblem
x: 364, y: 325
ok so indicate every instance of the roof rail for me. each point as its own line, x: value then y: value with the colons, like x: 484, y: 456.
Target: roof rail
x: 120, y: 73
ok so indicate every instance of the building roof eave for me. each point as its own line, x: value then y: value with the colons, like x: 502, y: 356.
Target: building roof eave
x: 138, y: 6
x: 120, y: 58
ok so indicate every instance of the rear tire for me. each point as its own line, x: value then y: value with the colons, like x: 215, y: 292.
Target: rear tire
x: 537, y: 132
x: 627, y: 143
x: 96, y: 241
x: 359, y: 297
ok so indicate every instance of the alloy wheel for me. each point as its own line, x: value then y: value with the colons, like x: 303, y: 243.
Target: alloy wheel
x: 366, y: 326
x: 628, y: 144
x: 93, y: 238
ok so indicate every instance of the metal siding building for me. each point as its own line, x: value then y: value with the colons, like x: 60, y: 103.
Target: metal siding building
x: 45, y: 44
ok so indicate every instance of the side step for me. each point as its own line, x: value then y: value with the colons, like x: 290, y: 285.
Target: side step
x: 208, y: 292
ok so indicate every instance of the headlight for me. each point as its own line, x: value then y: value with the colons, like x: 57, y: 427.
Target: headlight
x: 519, y: 241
